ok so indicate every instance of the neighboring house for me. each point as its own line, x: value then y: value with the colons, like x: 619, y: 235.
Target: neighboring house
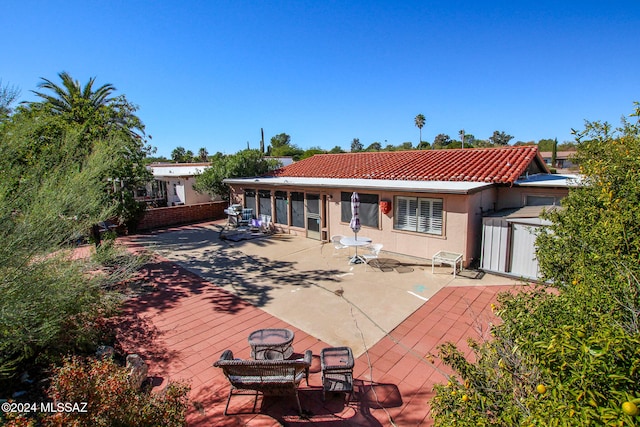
x: 173, y: 182
x: 413, y: 202
x: 563, y: 159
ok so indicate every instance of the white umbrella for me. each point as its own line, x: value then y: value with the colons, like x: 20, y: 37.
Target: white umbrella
x: 355, y: 219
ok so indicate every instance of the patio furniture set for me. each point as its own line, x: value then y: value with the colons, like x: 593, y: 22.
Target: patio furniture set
x: 272, y: 371
x: 372, y: 250
x: 241, y: 219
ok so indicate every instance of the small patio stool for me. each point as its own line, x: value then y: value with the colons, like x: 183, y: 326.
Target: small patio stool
x: 337, y: 370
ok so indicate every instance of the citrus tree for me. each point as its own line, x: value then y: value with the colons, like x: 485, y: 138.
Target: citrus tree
x: 568, y: 352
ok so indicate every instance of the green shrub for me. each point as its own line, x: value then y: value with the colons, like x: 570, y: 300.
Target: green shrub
x: 567, y: 354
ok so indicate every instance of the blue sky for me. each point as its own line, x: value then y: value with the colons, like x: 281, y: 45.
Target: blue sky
x: 212, y: 73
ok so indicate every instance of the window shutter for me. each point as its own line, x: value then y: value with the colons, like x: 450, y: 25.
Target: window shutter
x: 406, y: 213
x: 436, y: 216
x: 419, y: 214
x: 424, y: 216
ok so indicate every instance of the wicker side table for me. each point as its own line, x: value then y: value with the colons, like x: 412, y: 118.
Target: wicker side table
x: 337, y: 370
x: 271, y: 344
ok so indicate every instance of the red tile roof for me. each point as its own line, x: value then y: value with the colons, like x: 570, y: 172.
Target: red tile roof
x: 498, y: 165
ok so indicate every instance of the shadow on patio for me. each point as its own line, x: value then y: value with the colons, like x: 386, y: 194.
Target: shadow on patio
x: 181, y: 322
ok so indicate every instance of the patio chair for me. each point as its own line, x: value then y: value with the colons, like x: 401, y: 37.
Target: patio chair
x: 247, y: 216
x: 337, y: 246
x: 265, y: 223
x: 374, y: 253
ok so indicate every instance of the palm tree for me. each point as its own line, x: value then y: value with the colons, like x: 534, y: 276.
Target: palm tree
x: 81, y: 104
x: 71, y: 98
x: 420, y: 120
x: 203, y: 154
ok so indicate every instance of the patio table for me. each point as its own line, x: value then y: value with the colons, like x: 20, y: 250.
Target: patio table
x: 356, y: 242
x: 271, y: 344
x: 449, y: 258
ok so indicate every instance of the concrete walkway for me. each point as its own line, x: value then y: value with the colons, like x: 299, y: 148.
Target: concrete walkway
x: 202, y: 296
x: 305, y: 283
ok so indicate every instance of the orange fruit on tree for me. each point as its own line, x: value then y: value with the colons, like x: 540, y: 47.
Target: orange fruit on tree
x: 630, y: 408
x: 540, y: 388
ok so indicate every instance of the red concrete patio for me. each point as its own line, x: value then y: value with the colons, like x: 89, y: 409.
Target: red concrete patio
x: 181, y: 323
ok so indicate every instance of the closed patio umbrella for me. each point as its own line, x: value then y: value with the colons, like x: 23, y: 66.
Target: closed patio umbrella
x: 355, y: 219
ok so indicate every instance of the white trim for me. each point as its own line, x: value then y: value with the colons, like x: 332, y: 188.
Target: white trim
x: 456, y: 187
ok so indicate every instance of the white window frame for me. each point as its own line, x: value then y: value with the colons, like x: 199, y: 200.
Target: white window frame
x: 419, y: 215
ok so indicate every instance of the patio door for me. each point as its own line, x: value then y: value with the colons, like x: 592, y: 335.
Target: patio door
x: 313, y: 216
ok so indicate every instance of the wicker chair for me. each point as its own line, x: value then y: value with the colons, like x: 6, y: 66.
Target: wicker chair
x: 269, y: 377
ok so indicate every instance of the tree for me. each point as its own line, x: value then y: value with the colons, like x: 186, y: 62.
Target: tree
x: 94, y: 116
x: 8, y: 95
x: 424, y: 145
x: 545, y: 144
x: 524, y: 143
x: 470, y: 140
x: 280, y: 140
x: 356, y: 145
x: 203, y: 154
x: 291, y: 150
x: 500, y: 138
x: 51, y: 305
x: 246, y: 163
x: 419, y: 121
x: 441, y: 141
x: 156, y: 159
x: 375, y: 146
x: 179, y: 155
x: 312, y: 152
x: 567, y: 355
x: 335, y: 150
x: 95, y: 108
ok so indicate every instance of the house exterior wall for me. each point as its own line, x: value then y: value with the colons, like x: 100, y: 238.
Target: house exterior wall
x: 477, y: 204
x: 191, y: 195
x: 462, y: 218
x: 516, y: 197
x: 180, y: 192
x: 462, y: 221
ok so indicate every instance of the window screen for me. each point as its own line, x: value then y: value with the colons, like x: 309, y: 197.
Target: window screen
x: 264, y: 197
x: 250, y: 199
x: 281, y: 207
x: 368, y: 209
x: 297, y: 209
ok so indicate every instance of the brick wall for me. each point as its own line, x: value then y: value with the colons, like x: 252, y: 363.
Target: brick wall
x: 174, y: 215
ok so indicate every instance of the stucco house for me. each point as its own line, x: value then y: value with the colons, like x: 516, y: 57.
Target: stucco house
x: 564, y: 159
x: 173, y: 182
x: 415, y: 203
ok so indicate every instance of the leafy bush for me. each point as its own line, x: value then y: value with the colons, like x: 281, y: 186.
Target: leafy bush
x: 111, y: 398
x: 568, y: 354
